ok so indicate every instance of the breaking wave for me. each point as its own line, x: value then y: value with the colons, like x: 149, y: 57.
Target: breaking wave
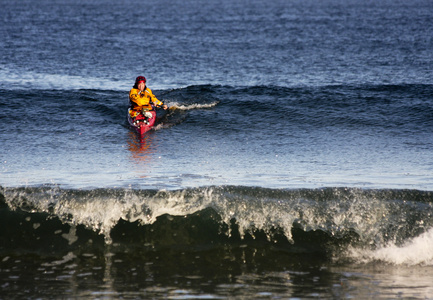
x: 394, y: 226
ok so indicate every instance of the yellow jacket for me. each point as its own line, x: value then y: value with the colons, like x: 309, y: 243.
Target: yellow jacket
x: 140, y: 100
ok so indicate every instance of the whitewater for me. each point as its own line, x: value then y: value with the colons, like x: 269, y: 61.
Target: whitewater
x: 296, y: 161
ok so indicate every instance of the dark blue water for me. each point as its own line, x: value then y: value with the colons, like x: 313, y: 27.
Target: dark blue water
x: 296, y: 160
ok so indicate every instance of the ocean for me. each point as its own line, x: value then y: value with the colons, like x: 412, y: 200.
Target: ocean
x: 296, y: 161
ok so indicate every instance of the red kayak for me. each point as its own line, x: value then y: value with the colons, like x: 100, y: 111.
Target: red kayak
x: 143, y: 122
x: 146, y: 120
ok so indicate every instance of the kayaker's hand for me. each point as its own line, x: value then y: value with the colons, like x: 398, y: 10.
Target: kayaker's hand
x: 165, y: 107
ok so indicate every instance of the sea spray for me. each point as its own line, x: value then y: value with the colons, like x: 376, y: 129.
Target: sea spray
x: 366, y: 219
x: 415, y: 251
x: 184, y: 107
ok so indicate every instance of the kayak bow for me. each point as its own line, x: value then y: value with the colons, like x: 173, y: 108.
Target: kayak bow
x: 143, y: 122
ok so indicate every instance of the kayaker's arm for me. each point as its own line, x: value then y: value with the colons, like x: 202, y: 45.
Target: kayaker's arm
x: 155, y: 100
x: 162, y: 105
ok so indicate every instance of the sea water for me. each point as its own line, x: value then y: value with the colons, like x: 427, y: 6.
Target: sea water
x: 296, y: 160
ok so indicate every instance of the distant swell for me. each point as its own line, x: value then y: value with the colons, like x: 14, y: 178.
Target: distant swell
x: 342, y: 223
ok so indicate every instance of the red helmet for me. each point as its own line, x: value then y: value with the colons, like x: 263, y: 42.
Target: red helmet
x: 140, y: 78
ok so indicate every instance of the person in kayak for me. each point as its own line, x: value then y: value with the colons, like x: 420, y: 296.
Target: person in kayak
x: 141, y: 98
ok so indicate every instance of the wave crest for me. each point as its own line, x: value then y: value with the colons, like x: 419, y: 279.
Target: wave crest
x: 370, y: 223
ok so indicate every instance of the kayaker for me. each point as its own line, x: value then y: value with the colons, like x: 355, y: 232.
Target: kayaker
x: 141, y: 97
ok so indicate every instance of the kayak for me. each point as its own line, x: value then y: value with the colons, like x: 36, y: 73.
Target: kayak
x: 145, y: 120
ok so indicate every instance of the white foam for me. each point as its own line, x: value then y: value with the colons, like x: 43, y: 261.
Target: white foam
x: 417, y: 251
x: 176, y: 105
